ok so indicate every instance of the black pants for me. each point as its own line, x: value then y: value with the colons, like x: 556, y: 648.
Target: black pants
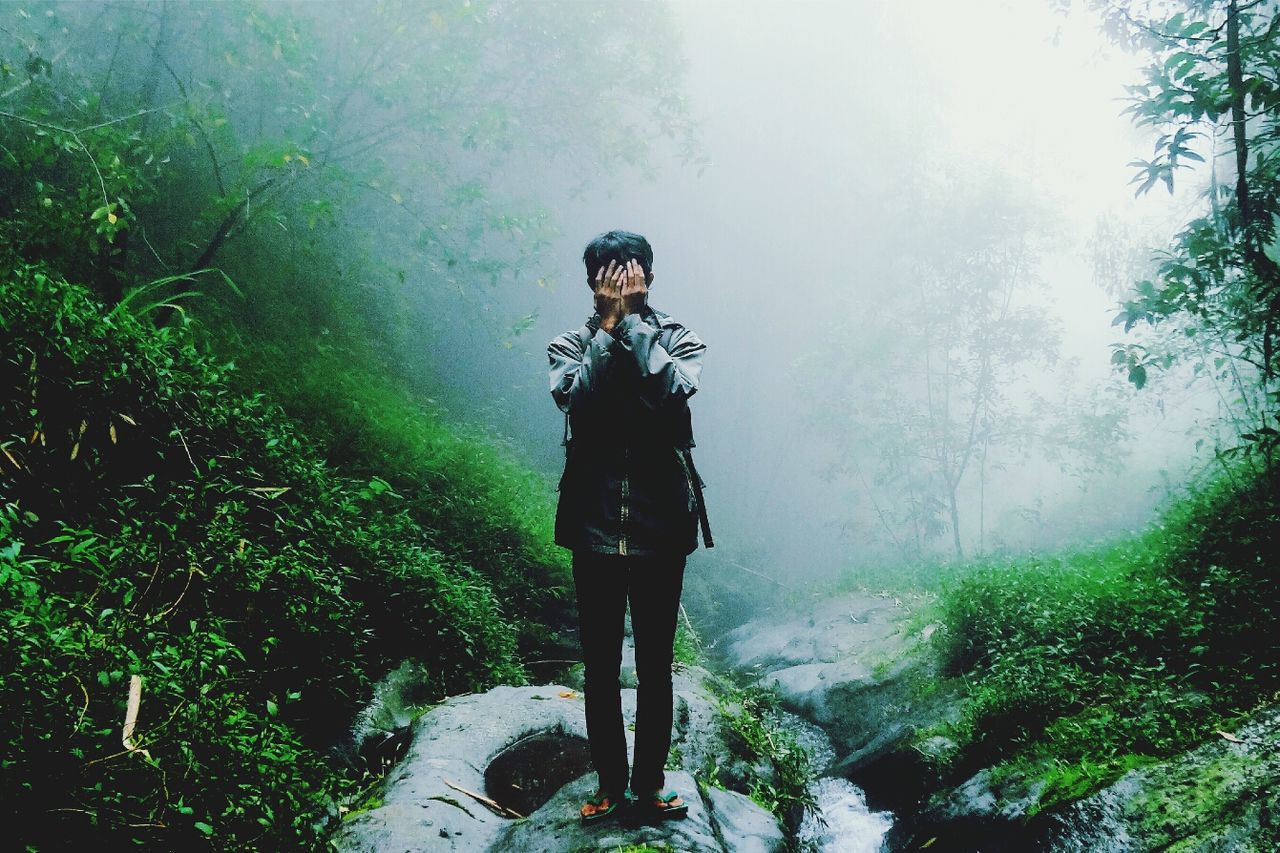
x: 604, y: 584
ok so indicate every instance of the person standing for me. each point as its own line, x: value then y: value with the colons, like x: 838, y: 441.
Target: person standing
x: 629, y: 509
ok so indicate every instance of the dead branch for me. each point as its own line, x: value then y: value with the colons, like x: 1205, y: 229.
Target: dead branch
x: 496, y: 807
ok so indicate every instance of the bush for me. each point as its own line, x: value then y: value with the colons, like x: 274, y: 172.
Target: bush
x: 155, y: 522
x: 1106, y: 658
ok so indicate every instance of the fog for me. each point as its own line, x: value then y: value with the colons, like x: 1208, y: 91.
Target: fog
x: 901, y: 229
x: 826, y: 124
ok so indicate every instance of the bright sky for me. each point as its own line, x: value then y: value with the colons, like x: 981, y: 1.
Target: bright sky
x: 805, y: 100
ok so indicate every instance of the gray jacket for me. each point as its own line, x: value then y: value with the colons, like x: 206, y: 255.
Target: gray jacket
x: 629, y: 485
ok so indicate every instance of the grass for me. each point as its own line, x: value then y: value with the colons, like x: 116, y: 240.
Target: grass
x: 1084, y: 664
x: 470, y: 491
x: 162, y: 518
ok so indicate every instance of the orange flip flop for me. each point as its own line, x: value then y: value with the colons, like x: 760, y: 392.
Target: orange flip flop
x: 668, y: 804
x: 599, y: 808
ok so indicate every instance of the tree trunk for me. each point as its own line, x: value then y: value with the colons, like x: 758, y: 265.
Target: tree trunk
x: 955, y: 522
x: 1264, y: 269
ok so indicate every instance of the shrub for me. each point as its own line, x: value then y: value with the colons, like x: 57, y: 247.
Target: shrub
x: 155, y: 522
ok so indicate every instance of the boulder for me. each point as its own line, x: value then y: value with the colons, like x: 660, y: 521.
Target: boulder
x: 743, y: 826
x: 717, y: 821
x: 1224, y: 795
x: 422, y: 806
x: 852, y: 665
x: 525, y: 748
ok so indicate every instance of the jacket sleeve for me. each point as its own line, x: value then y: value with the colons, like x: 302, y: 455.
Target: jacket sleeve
x: 668, y: 374
x: 576, y: 373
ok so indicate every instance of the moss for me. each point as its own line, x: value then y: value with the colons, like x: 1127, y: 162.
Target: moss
x: 1187, y: 801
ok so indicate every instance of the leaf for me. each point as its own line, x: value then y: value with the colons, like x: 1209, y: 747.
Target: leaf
x: 1138, y: 376
x: 204, y: 827
x: 272, y: 708
x: 16, y: 463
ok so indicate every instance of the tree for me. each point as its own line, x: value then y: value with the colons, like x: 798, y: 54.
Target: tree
x: 934, y: 391
x: 395, y: 127
x: 1212, y: 89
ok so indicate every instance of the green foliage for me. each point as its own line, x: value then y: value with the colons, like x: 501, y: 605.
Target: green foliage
x: 146, y: 139
x: 1088, y: 663
x: 750, y: 714
x: 467, y: 490
x: 688, y: 650
x: 161, y: 516
x: 1214, y: 301
x: 156, y: 522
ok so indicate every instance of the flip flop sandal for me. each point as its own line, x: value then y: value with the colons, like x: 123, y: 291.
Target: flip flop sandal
x: 667, y: 805
x: 599, y: 808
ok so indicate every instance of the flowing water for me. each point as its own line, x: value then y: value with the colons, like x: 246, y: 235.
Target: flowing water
x: 843, y: 823
x: 846, y: 825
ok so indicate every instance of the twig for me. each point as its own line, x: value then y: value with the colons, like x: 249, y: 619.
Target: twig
x: 191, y: 572
x: 497, y: 807
x: 131, y: 716
x: 188, y: 449
x: 83, y: 710
x: 747, y: 570
x: 548, y: 660
x: 154, y: 572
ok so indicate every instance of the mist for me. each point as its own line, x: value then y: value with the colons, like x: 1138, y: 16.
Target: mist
x: 853, y: 204
x: 846, y: 142
x: 990, y: 299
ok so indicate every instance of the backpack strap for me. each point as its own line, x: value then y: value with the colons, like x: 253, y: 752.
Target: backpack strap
x: 696, y: 480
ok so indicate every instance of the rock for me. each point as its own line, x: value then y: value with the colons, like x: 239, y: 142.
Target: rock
x: 525, y: 747
x: 852, y: 666
x: 1220, y: 796
x: 556, y: 827
x: 868, y: 626
x: 455, y: 743
x: 744, y: 826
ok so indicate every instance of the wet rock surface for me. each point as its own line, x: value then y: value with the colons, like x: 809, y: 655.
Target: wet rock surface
x: 422, y: 805
x: 1221, y: 796
x: 527, y: 746
x: 853, y: 665
x: 722, y: 821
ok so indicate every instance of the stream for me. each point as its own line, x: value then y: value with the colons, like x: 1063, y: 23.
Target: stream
x: 843, y: 823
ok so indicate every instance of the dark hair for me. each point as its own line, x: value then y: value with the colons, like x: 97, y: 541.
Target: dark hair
x: 620, y: 246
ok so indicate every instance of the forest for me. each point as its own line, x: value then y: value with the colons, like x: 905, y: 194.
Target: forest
x: 989, y: 419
